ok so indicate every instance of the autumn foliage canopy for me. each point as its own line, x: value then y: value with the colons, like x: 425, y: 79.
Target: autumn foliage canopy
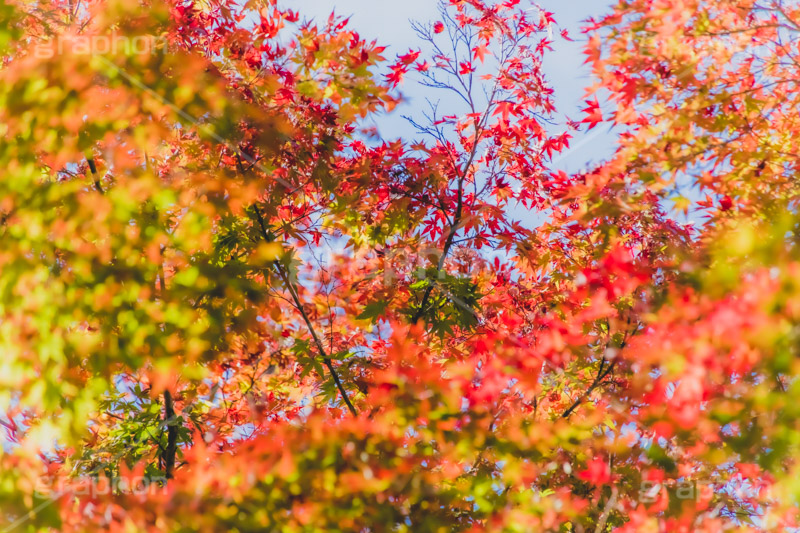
x: 230, y: 302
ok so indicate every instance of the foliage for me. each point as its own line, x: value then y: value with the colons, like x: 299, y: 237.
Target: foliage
x: 593, y: 363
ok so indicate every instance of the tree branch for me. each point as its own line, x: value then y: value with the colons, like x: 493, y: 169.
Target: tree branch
x: 172, y: 435
x: 479, y: 124
x: 299, y: 306
x: 93, y: 168
x: 602, y: 373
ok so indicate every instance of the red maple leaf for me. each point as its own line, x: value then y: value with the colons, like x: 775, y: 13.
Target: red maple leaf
x: 409, y: 57
x: 597, y: 472
x: 593, y: 114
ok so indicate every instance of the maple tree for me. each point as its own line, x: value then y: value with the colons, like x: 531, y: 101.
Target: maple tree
x: 489, y: 343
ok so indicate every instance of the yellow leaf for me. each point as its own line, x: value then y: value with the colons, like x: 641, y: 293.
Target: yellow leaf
x: 268, y: 251
x: 682, y: 204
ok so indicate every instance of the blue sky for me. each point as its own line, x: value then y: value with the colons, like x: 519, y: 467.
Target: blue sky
x: 388, y: 22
